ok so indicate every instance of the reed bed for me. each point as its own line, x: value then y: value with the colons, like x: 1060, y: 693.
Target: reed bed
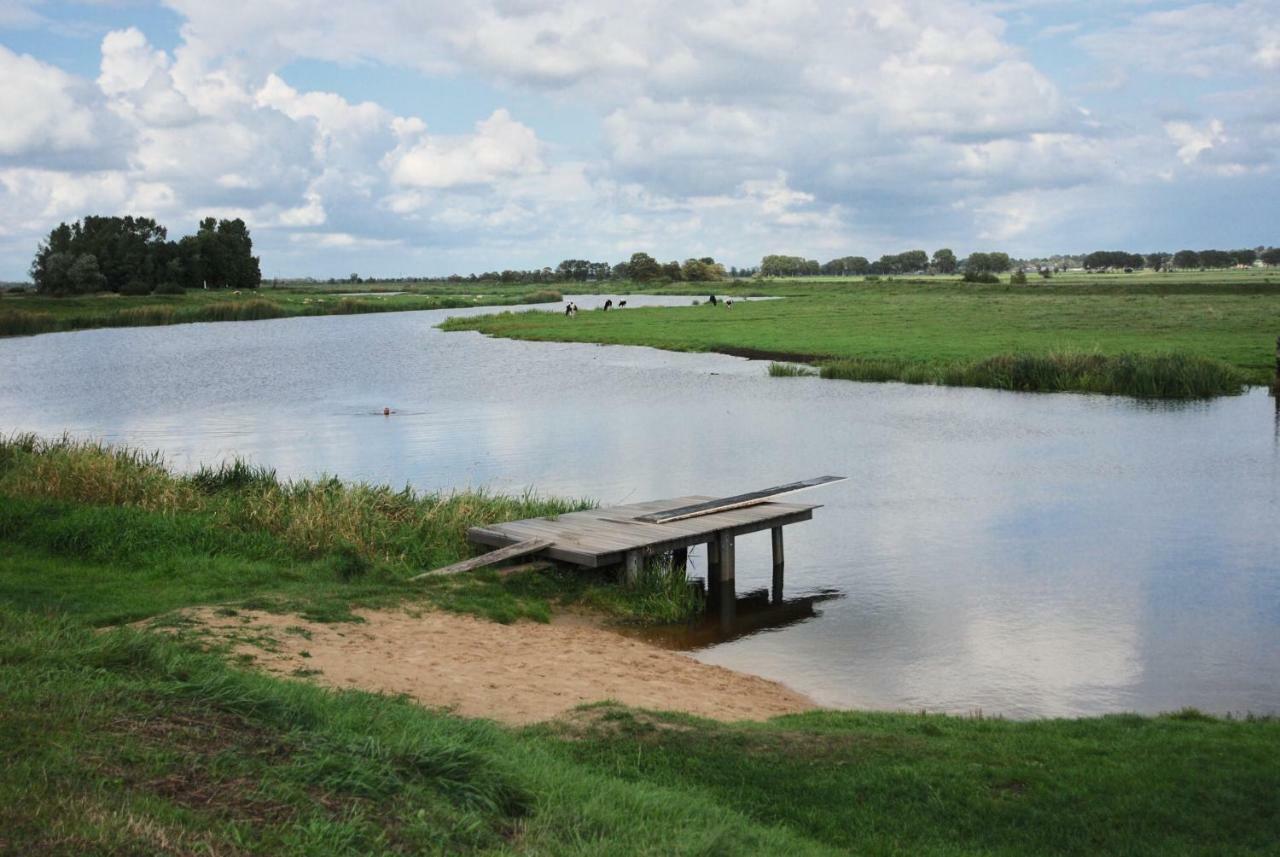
x: 1154, y: 376
x: 20, y: 322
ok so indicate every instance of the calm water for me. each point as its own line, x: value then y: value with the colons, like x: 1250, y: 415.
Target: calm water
x: 1019, y: 554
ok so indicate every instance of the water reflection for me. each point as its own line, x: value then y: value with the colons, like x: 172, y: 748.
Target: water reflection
x: 755, y: 612
x: 1019, y: 554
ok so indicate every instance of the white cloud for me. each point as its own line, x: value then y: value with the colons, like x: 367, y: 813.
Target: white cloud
x: 500, y: 149
x: 42, y: 108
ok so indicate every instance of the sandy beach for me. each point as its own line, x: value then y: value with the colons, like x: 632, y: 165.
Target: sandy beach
x: 517, y: 674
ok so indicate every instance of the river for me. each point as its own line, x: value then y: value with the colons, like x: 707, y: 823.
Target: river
x: 1015, y: 554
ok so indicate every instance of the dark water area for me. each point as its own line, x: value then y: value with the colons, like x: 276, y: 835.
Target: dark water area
x: 1022, y: 555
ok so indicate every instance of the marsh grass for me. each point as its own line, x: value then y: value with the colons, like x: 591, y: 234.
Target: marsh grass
x: 1155, y: 376
x: 791, y: 370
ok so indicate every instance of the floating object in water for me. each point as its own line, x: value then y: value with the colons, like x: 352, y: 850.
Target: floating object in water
x: 386, y: 412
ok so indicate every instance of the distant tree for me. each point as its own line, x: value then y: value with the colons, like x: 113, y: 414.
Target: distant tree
x: 944, y: 261
x: 1046, y: 272
x: 1101, y: 260
x: 672, y: 271
x: 1018, y: 278
x: 1158, y: 261
x: 1270, y: 256
x: 705, y: 269
x: 913, y: 262
x: 986, y: 263
x: 1245, y: 257
x: 788, y: 266
x: 643, y: 268
x: 1216, y: 259
x: 1185, y: 259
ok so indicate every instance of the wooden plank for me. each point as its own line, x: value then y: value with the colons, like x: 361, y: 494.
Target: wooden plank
x: 735, y: 502
x: 509, y: 552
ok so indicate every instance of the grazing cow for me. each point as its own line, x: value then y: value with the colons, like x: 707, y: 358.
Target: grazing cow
x: 621, y: 304
x: 608, y: 304
x: 712, y: 300
x: 728, y: 304
x: 568, y: 310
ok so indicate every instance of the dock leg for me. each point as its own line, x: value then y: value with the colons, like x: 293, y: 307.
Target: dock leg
x: 680, y: 558
x: 727, y: 583
x: 713, y: 576
x: 778, y: 565
x: 634, y: 560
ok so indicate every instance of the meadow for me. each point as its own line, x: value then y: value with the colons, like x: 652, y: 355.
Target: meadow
x: 1143, y: 335
x: 119, y: 739
x: 27, y: 313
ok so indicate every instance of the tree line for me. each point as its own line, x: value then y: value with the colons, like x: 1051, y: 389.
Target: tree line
x: 132, y: 255
x: 943, y: 261
x: 1101, y: 260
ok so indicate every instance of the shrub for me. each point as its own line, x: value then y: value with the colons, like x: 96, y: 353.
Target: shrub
x: 170, y: 288
x: 980, y: 277
x: 136, y: 288
x: 1018, y: 278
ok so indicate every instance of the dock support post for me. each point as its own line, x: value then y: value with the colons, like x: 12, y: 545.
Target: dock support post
x: 713, y: 576
x: 726, y: 584
x: 778, y: 565
x: 680, y: 558
x: 634, y: 560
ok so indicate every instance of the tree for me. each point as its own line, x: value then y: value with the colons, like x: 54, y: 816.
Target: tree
x: 1270, y: 256
x: 1185, y: 259
x: 986, y: 263
x: 944, y: 261
x: 672, y: 272
x: 1216, y: 259
x: 788, y: 266
x: 1245, y: 257
x: 705, y: 269
x: 1158, y: 261
x: 643, y: 268
x: 132, y: 253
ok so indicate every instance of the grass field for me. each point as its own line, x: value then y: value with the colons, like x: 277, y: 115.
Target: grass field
x: 115, y: 740
x: 1202, y: 338
x: 28, y: 313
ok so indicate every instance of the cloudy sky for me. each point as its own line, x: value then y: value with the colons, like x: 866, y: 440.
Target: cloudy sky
x: 408, y: 137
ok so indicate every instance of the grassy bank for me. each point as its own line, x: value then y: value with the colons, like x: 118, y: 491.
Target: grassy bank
x: 28, y: 314
x: 115, y: 740
x: 112, y: 535
x: 1159, y: 339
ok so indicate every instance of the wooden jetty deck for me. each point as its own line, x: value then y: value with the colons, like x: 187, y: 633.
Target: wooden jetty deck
x: 615, y: 536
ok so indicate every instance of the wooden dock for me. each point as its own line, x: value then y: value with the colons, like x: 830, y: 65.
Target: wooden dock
x: 617, y: 536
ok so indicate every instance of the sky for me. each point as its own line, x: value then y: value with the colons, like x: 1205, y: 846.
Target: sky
x: 417, y: 138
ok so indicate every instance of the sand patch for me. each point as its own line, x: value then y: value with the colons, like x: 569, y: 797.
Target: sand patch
x: 520, y: 673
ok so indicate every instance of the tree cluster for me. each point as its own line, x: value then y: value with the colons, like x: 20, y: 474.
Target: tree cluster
x: 132, y: 255
x: 911, y: 262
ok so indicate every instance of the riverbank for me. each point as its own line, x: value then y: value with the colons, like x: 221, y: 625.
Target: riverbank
x: 117, y: 738
x: 1175, y: 340
x: 26, y: 314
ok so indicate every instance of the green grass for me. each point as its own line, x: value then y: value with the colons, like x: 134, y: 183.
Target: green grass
x: 112, y: 535
x: 1168, y: 336
x: 116, y: 740
x: 27, y: 314
x: 128, y: 742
